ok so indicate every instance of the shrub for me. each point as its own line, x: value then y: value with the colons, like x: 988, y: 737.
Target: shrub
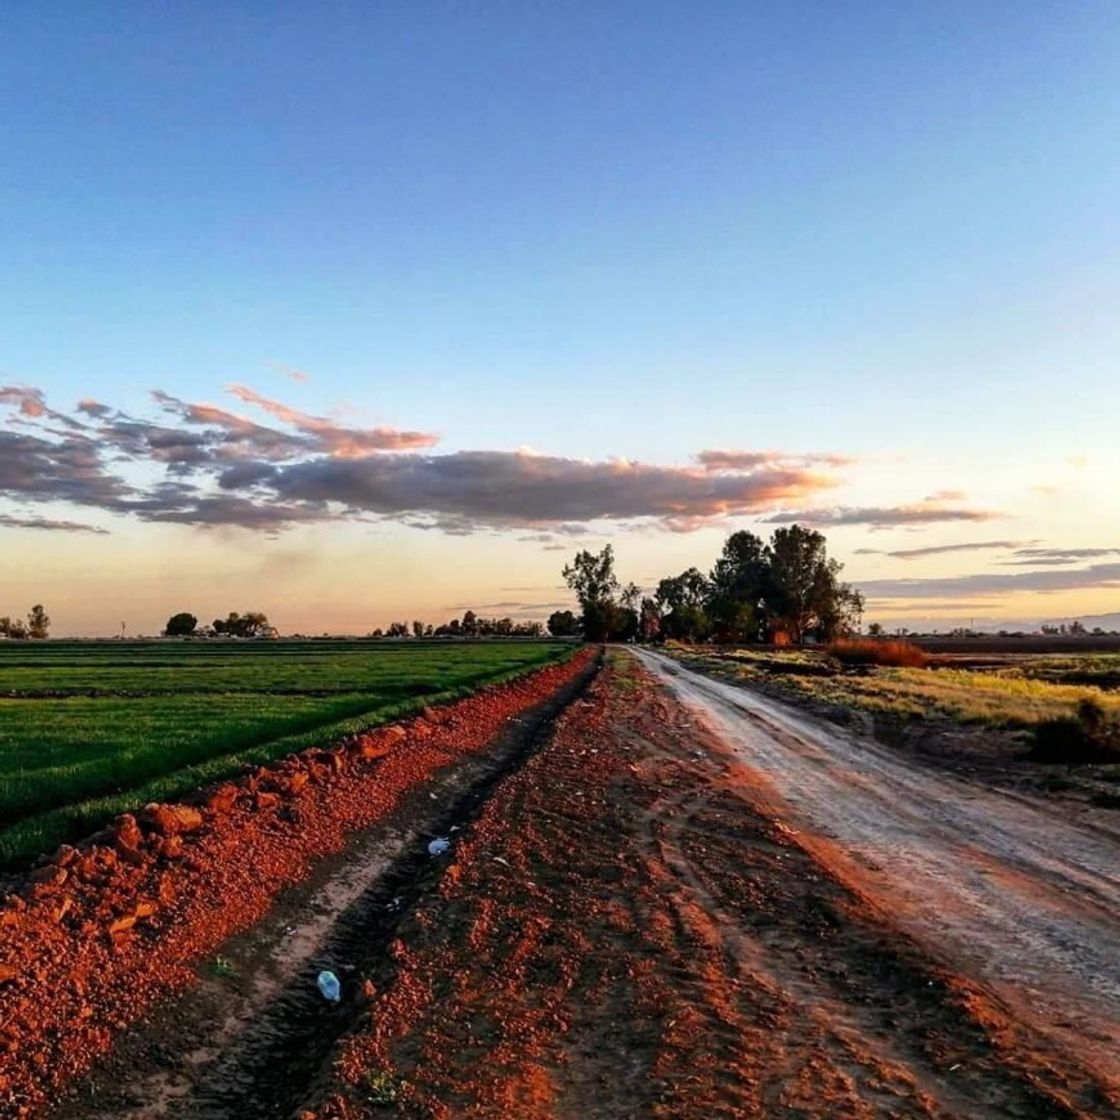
x: 1090, y: 735
x: 876, y: 651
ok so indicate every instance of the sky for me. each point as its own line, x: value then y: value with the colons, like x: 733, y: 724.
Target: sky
x: 381, y: 311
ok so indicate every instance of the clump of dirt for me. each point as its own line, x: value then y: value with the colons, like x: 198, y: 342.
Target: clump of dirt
x: 100, y: 933
x: 622, y: 934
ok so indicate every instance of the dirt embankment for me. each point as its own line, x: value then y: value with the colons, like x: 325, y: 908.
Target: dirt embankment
x: 103, y: 933
x: 622, y: 934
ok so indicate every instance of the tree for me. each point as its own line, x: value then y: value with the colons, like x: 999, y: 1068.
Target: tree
x: 591, y: 576
x: 16, y: 629
x: 681, y: 600
x: 470, y: 624
x: 805, y: 595
x: 737, y: 589
x: 398, y: 630
x: 251, y: 624
x: 649, y: 620
x: 417, y: 628
x: 875, y: 630
x: 563, y: 624
x: 38, y: 622
x: 181, y: 625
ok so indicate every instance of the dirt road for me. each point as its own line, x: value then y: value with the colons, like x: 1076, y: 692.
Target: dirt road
x: 1002, y: 889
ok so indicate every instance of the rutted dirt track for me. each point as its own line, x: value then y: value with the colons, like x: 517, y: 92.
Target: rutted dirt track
x: 642, y: 915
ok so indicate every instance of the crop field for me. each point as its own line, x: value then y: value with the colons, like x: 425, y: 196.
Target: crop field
x: 92, y: 729
x: 1014, y: 692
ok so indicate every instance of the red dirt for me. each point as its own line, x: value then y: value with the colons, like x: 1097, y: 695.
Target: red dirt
x: 103, y: 932
x: 622, y: 934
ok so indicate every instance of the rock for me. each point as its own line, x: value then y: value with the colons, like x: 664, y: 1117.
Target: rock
x: 374, y: 749
x: 50, y: 876
x: 127, y: 839
x: 172, y: 820
x: 292, y: 783
x: 170, y: 847
x: 222, y: 800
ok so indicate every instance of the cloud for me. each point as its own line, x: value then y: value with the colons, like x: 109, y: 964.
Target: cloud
x: 936, y: 550
x: 501, y: 488
x: 29, y: 401
x: 882, y: 517
x: 68, y: 470
x: 332, y: 439
x: 201, y: 464
x: 1055, y: 557
x: 92, y: 408
x: 989, y: 583
x: 734, y: 460
x: 8, y: 522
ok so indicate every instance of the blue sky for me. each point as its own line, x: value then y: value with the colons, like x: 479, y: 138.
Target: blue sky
x: 633, y: 230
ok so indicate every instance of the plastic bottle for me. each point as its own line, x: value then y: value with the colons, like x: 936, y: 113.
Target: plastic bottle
x: 329, y: 986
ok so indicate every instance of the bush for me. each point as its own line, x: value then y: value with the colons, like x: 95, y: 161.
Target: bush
x: 1090, y: 735
x: 876, y: 651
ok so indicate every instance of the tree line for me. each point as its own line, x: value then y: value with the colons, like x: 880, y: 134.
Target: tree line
x: 37, y: 626
x: 470, y: 625
x: 251, y: 624
x: 786, y: 590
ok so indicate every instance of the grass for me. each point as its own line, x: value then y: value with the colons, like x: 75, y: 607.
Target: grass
x: 997, y: 697
x: 89, y: 730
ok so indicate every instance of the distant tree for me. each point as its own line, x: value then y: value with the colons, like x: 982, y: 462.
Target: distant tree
x: 398, y: 630
x: 591, y: 576
x: 631, y: 597
x: 251, y: 624
x: 1077, y: 629
x: 38, y: 622
x: 563, y: 624
x: 649, y: 620
x: 181, y: 625
x: 417, y: 628
x: 875, y: 629
x: 5, y: 626
x: 470, y: 624
x: 17, y: 629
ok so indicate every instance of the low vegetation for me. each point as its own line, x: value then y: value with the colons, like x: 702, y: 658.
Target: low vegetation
x: 92, y: 729
x: 874, y: 651
x: 1006, y: 697
x: 1090, y: 735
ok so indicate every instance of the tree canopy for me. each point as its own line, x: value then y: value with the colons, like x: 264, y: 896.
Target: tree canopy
x: 787, y: 589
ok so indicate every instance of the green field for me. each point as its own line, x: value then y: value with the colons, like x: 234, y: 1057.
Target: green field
x: 92, y: 729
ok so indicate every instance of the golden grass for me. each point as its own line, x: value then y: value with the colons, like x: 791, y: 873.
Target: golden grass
x: 1007, y: 699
